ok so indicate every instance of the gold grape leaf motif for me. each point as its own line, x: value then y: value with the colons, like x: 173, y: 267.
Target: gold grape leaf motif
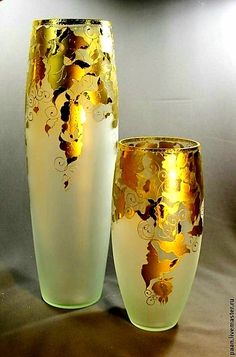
x: 130, y: 164
x: 152, y: 274
x: 164, y: 189
x: 75, y: 67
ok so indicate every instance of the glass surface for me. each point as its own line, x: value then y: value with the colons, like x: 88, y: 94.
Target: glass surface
x: 71, y: 134
x: 157, y: 226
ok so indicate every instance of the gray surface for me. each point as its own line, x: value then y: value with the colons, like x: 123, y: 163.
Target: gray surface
x: 176, y: 65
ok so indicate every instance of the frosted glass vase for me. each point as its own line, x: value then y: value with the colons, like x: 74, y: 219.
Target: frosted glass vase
x: 157, y: 226
x: 71, y: 134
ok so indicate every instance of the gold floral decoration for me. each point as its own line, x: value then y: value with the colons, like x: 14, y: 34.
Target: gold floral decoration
x: 161, y: 185
x: 72, y: 70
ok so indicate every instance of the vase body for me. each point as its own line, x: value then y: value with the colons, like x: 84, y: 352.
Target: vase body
x: 71, y: 134
x: 157, y: 227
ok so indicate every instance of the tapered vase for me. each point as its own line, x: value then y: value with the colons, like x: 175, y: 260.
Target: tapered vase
x: 71, y: 134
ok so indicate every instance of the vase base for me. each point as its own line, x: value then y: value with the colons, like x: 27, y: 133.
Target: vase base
x: 154, y: 329
x: 72, y: 306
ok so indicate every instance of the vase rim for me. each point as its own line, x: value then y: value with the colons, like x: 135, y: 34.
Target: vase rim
x: 158, y: 143
x: 70, y: 22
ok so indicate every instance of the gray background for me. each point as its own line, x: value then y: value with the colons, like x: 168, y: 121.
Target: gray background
x: 176, y: 64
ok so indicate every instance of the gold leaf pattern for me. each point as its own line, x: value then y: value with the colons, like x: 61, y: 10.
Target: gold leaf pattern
x: 176, y: 246
x: 119, y: 197
x: 159, y: 181
x: 131, y: 165
x: 162, y: 289
x: 73, y: 64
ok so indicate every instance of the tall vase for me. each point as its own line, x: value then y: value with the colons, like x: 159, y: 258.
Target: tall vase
x: 71, y: 134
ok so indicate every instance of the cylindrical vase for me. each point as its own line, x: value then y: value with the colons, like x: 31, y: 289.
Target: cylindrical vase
x: 71, y: 134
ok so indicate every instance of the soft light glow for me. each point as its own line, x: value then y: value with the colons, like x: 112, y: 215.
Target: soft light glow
x: 172, y: 179
x: 106, y: 43
x: 82, y: 115
x: 170, y: 166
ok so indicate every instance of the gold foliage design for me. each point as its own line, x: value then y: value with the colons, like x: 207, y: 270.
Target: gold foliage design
x: 161, y: 186
x: 71, y: 72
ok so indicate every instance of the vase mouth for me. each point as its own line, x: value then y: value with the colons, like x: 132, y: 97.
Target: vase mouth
x: 159, y: 144
x: 70, y: 22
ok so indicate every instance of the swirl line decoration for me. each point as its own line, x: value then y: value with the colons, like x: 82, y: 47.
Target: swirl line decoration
x: 71, y: 79
x: 163, y: 177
